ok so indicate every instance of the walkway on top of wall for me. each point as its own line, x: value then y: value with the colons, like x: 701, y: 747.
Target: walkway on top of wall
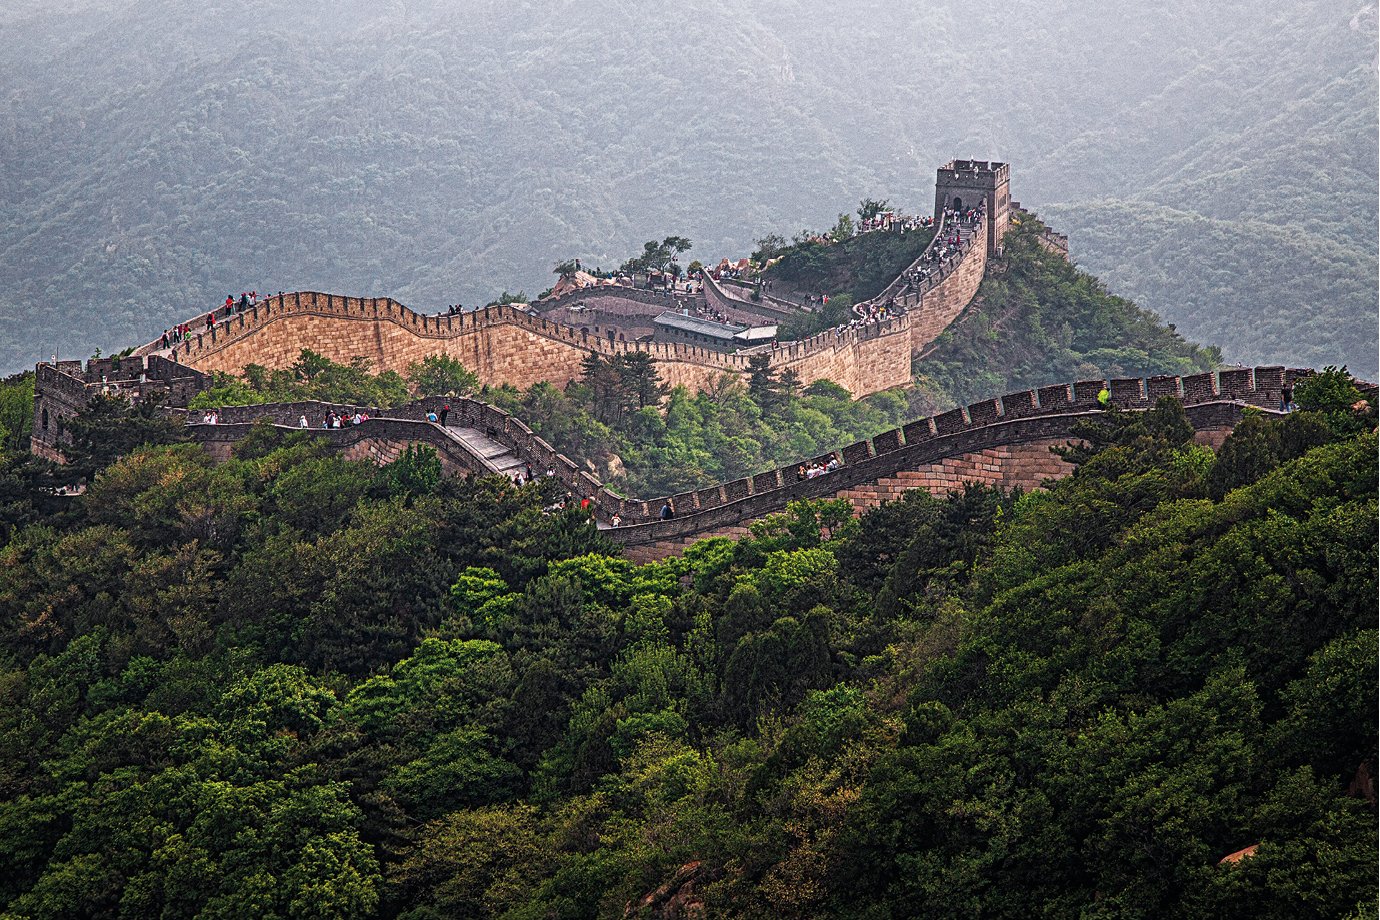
x: 494, y: 455
x: 233, y: 325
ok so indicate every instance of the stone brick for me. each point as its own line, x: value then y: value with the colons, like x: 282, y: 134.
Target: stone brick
x: 710, y: 498
x: 1235, y: 384
x: 983, y: 413
x: 1198, y: 388
x: 1055, y: 398
x: 1162, y: 386
x: 1128, y: 393
x: 1269, y: 382
x: 854, y: 453
x: 918, y: 431
x: 950, y: 422
x: 765, y: 482
x: 1018, y: 405
x: 1085, y: 391
x: 886, y: 441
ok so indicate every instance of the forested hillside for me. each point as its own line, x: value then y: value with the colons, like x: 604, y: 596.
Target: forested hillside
x: 297, y: 686
x: 1212, y: 160
x: 1037, y: 319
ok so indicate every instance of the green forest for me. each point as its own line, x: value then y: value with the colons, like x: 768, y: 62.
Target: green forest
x: 295, y: 686
x: 841, y: 261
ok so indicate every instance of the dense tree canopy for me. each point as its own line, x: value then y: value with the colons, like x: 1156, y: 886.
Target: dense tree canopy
x: 303, y: 686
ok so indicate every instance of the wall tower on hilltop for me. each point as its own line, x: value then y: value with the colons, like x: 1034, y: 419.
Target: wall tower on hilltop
x: 963, y: 183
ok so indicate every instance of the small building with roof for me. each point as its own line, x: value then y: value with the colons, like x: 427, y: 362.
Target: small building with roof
x: 682, y: 329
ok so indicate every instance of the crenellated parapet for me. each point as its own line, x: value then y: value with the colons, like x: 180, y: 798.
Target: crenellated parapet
x: 961, y: 184
x: 510, y: 345
x: 652, y: 302
x: 521, y: 345
x: 65, y: 388
x: 1213, y: 402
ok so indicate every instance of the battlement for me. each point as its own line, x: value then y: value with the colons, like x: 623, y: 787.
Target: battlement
x: 1214, y: 402
x: 508, y: 344
x: 987, y: 171
x: 654, y: 301
x: 521, y: 345
x: 124, y: 371
x: 961, y: 184
x: 64, y: 388
x: 993, y: 422
x: 201, y: 345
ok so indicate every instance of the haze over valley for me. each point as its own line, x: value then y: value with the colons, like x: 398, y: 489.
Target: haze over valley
x: 1213, y: 161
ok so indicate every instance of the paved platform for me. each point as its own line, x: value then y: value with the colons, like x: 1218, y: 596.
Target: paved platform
x: 494, y: 455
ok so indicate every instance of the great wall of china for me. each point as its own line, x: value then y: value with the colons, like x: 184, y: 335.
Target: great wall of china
x: 1004, y: 441
x: 999, y: 442
x: 512, y: 345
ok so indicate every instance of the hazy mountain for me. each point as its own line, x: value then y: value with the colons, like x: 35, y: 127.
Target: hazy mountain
x: 1215, y: 161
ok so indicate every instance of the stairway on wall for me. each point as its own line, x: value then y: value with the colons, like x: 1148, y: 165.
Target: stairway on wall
x: 494, y: 455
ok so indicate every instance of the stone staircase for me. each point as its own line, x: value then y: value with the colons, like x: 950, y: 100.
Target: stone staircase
x: 967, y: 238
x: 499, y: 458
x: 492, y: 454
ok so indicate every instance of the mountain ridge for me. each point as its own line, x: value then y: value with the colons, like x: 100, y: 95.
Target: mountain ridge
x: 392, y: 152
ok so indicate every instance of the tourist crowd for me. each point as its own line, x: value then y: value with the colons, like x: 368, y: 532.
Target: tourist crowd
x: 815, y: 468
x: 335, y: 419
x: 175, y: 335
x: 231, y: 307
x: 891, y: 222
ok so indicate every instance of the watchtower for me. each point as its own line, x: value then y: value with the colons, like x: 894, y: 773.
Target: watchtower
x: 963, y: 183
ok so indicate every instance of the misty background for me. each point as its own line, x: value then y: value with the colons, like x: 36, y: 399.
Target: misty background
x: 1215, y: 161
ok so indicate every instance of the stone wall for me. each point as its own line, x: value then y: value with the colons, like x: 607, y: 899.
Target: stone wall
x: 626, y: 327
x: 1003, y: 441
x: 63, y: 389
x: 1213, y: 402
x: 504, y: 345
x: 633, y: 299
x: 60, y: 392
x: 760, y: 311
x: 974, y: 180
x: 941, y: 305
x: 863, y: 364
x: 1027, y: 466
x: 380, y: 441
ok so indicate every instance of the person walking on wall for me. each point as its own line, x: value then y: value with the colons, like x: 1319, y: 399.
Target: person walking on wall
x: 445, y: 410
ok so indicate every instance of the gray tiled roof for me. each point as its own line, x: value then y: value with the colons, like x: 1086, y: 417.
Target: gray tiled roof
x: 699, y: 326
